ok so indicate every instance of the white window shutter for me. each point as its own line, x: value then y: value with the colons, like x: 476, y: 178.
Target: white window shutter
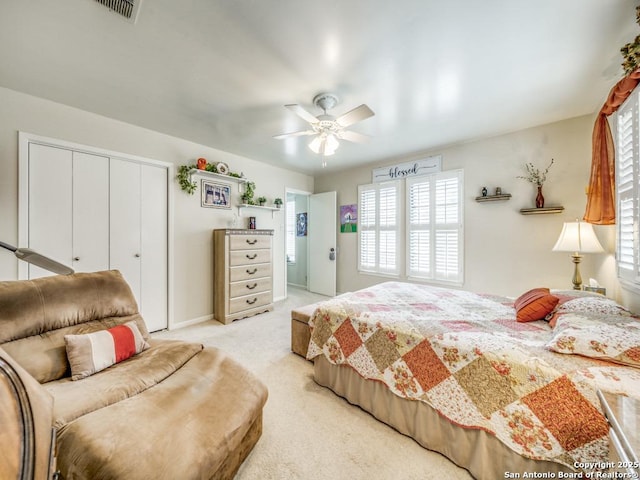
x: 378, y: 219
x: 434, y: 229
x: 628, y: 177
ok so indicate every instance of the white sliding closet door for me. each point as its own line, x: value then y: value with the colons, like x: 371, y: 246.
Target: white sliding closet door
x: 50, y: 205
x: 138, y: 235
x: 124, y: 236
x: 90, y: 212
x: 97, y: 210
x: 153, y: 238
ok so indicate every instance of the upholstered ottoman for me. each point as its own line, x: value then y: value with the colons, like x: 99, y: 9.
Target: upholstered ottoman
x: 300, y: 334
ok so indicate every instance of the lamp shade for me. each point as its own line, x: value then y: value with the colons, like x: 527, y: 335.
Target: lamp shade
x: 578, y: 237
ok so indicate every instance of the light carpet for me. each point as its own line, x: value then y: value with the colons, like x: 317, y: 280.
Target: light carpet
x: 308, y: 431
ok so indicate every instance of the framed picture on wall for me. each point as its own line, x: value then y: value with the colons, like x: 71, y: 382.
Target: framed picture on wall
x: 301, y: 225
x: 216, y: 195
x: 348, y: 218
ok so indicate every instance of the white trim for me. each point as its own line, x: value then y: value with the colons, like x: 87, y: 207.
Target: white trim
x: 25, y: 138
x: 78, y: 147
x: 293, y: 191
x: 193, y: 321
x: 383, y: 275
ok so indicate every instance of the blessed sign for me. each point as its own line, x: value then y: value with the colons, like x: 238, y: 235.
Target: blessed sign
x: 409, y: 169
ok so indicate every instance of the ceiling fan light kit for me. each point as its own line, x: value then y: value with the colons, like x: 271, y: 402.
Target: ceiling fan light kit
x: 329, y: 130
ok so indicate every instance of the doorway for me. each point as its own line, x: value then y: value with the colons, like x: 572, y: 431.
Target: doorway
x: 296, y: 242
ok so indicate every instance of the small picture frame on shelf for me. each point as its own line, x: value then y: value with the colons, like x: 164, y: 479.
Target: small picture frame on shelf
x: 215, y: 195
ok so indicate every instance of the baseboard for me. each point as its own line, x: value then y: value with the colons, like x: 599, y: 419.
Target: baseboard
x: 193, y: 321
x: 296, y: 285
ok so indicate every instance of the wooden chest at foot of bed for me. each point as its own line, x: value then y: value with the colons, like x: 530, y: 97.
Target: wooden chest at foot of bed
x: 300, y: 334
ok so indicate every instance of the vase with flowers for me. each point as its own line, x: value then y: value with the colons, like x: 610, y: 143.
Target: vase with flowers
x: 537, y: 177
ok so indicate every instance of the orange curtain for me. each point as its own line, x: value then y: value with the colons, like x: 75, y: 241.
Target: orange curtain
x: 601, y: 196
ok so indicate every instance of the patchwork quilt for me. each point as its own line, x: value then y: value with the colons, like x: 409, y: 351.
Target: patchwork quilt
x: 465, y: 355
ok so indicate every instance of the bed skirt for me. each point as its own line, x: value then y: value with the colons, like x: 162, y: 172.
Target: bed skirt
x: 483, y: 455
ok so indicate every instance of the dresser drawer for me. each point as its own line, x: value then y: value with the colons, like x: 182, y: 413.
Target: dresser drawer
x: 249, y: 301
x: 248, y: 287
x: 249, y: 242
x: 249, y: 257
x: 248, y: 272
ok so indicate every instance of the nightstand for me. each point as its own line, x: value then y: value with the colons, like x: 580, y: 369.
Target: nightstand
x: 623, y: 414
x: 600, y: 290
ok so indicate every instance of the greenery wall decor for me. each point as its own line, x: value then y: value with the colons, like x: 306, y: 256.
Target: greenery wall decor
x: 188, y: 185
x: 249, y: 192
x: 631, y: 51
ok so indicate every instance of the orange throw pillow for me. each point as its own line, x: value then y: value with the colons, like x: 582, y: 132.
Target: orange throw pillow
x: 535, y: 305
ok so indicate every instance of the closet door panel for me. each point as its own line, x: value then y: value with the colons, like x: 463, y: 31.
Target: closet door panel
x: 153, y: 215
x: 124, y: 220
x: 90, y: 212
x: 50, y: 205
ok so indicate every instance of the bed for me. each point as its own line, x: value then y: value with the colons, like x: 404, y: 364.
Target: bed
x: 458, y: 373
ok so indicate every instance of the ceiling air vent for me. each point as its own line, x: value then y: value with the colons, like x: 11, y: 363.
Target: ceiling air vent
x: 127, y: 8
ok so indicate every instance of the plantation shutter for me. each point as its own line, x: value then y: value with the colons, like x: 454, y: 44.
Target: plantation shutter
x: 378, y: 228
x: 419, y: 228
x: 435, y: 235
x: 627, y: 173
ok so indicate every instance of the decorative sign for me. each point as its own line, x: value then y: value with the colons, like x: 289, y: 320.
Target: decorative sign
x: 409, y: 169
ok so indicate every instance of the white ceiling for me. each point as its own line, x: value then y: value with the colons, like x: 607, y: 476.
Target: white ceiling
x: 218, y: 72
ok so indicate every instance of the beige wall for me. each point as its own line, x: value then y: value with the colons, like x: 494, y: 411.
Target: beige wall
x: 192, y: 239
x: 505, y: 252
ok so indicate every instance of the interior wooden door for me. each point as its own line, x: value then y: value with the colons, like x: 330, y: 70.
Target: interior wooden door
x: 322, y: 243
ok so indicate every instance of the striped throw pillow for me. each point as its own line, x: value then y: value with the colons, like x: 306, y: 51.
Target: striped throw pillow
x: 93, y: 352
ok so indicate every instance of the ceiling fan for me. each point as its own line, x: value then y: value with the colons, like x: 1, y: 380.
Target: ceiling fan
x: 328, y: 130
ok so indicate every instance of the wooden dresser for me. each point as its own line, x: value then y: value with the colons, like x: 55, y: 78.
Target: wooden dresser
x: 243, y: 273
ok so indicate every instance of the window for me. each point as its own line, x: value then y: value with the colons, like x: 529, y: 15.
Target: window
x: 627, y: 179
x: 434, y: 227
x: 378, y: 222
x: 290, y: 241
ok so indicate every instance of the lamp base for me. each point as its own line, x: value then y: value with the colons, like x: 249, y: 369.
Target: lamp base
x: 577, y: 279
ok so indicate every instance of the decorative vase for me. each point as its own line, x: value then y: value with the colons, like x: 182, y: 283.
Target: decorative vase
x: 201, y: 163
x: 539, y: 198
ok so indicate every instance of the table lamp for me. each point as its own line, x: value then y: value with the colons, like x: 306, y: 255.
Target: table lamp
x: 577, y: 237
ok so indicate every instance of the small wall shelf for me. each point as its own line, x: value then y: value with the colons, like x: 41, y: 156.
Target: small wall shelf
x: 543, y: 210
x: 494, y: 198
x: 219, y: 176
x: 257, y: 207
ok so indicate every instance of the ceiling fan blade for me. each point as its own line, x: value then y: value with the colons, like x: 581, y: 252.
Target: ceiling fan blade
x: 302, y: 113
x: 295, y: 134
x: 353, y: 136
x: 356, y: 115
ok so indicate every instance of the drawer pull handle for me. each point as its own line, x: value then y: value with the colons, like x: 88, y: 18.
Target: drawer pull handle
x: 252, y: 257
x: 251, y: 302
x: 251, y: 287
x: 252, y: 242
x: 251, y: 272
